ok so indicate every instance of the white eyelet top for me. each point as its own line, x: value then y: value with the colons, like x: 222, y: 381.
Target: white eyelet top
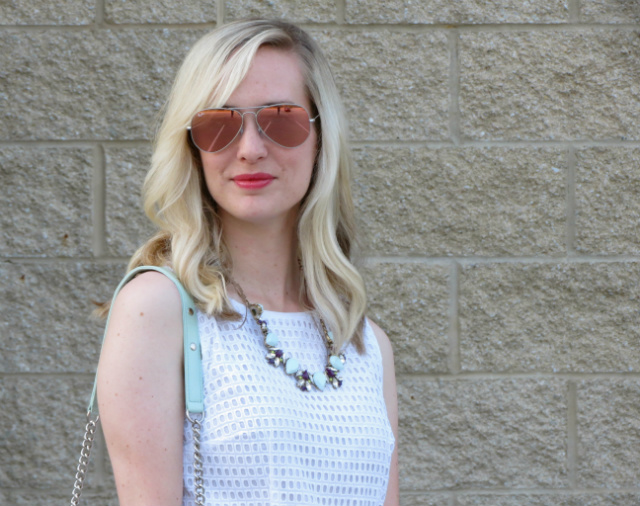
x: 267, y: 443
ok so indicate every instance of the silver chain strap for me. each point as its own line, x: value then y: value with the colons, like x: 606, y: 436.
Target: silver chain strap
x: 198, y: 462
x: 83, y: 463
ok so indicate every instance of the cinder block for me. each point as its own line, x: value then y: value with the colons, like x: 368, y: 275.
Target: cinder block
x: 482, y: 433
x: 49, y: 497
x: 36, y: 12
x: 550, y: 317
x: 45, y: 197
x: 422, y: 498
x: 461, y: 11
x: 87, y: 85
x: 550, y: 85
x: 472, y: 201
x: 310, y: 11
x: 46, y: 320
x: 609, y: 433
x: 609, y: 11
x: 607, y: 204
x: 42, y: 425
x: 127, y: 225
x: 557, y: 499
x: 161, y: 11
x: 410, y: 302
x: 394, y: 84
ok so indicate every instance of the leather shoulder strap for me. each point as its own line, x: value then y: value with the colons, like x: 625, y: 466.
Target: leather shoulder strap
x: 193, y: 383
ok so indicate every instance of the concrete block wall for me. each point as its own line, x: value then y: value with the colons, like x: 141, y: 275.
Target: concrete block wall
x: 497, y: 147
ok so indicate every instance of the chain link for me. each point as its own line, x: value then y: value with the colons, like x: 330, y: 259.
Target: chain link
x: 83, y: 463
x: 198, y: 463
x: 85, y: 452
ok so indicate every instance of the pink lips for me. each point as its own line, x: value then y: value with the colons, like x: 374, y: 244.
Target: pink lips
x: 253, y: 181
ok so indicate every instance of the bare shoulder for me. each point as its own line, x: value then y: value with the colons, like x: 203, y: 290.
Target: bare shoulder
x: 151, y: 289
x: 383, y: 339
x: 149, y: 308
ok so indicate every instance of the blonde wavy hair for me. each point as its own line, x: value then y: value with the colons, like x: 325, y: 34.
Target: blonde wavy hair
x: 176, y: 199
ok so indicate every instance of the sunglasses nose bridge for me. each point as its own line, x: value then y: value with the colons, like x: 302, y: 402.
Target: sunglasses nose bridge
x: 255, y: 117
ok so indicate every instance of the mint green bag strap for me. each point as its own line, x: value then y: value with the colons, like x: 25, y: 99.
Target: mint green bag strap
x: 193, y: 383
x: 193, y: 388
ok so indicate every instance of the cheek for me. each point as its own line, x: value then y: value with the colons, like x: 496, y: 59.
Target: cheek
x: 211, y: 170
x: 306, y: 169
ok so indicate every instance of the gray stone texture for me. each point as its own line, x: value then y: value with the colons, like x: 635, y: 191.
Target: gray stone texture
x: 394, y: 84
x: 45, y: 197
x: 609, y: 433
x: 461, y: 11
x: 550, y: 85
x: 424, y: 499
x: 472, y: 201
x: 550, y: 317
x: 37, y: 12
x: 46, y: 323
x: 160, y: 11
x: 610, y: 11
x: 607, y: 203
x: 36, y: 497
x: 316, y: 11
x: 127, y: 225
x: 42, y: 425
x: 86, y: 85
x: 550, y: 499
x: 411, y: 303
x: 482, y: 433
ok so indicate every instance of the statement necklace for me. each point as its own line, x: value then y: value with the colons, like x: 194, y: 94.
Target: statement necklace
x: 275, y: 356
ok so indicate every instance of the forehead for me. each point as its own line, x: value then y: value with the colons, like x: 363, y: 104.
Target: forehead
x: 274, y: 76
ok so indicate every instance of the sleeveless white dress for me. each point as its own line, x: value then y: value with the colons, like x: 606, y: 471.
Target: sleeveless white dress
x: 265, y: 442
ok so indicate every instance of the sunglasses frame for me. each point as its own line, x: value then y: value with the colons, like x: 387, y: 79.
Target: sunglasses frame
x: 255, y: 110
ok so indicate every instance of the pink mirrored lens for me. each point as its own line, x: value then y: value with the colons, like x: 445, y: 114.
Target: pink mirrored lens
x: 287, y: 125
x: 215, y: 129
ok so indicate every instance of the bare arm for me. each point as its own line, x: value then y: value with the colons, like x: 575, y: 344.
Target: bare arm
x: 391, y: 401
x: 140, y: 392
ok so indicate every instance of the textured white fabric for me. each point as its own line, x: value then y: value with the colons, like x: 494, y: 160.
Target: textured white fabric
x: 265, y: 442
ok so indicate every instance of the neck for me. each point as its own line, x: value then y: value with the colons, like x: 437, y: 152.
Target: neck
x: 265, y: 263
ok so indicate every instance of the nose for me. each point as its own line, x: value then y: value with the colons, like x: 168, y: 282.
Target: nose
x: 251, y: 145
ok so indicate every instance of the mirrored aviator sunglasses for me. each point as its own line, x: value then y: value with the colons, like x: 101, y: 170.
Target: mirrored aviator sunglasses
x: 287, y: 125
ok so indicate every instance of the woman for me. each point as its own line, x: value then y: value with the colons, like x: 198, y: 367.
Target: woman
x: 249, y: 187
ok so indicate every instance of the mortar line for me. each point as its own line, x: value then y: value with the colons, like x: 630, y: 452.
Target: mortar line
x: 575, y: 11
x: 80, y: 143
x: 431, y: 144
x: 220, y: 12
x: 572, y: 434
x: 454, y: 319
x: 101, y: 457
x: 60, y: 375
x: 396, y: 27
x: 511, y: 375
x: 64, y: 260
x: 341, y: 12
x: 99, y: 202
x: 100, y: 13
x: 524, y: 491
x: 454, y: 86
x: 571, y: 201
x: 467, y: 376
x: 372, y: 260
x: 530, y: 260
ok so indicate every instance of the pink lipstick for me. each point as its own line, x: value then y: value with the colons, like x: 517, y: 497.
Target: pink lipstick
x: 253, y: 181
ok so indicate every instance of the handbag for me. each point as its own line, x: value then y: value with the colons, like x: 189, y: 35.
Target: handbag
x: 193, y: 385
